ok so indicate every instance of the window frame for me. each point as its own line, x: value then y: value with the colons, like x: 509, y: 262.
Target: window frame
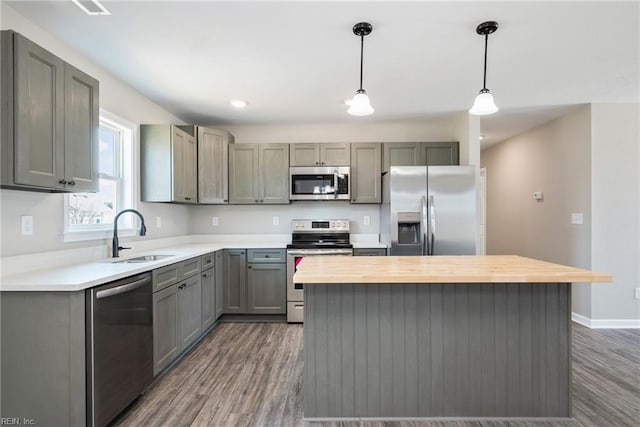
x: 128, y: 164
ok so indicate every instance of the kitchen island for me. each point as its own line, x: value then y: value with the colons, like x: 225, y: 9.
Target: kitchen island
x: 437, y: 337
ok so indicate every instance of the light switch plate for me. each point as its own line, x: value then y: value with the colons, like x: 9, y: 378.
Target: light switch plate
x: 26, y: 222
x: 276, y: 220
x: 577, y: 218
x: 637, y: 293
x: 214, y: 221
x: 367, y: 220
x: 158, y: 222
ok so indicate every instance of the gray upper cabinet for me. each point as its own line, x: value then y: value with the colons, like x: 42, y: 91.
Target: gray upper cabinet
x: 49, y: 120
x: 366, y: 173
x: 168, y: 164
x: 330, y: 154
x: 420, y: 154
x: 441, y: 153
x: 213, y: 157
x: 258, y: 174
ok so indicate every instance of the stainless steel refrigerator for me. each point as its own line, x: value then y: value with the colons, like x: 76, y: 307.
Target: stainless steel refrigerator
x: 429, y: 210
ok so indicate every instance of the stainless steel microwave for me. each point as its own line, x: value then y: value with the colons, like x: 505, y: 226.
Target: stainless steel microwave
x: 319, y: 183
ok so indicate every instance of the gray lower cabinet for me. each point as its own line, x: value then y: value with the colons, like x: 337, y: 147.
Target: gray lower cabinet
x: 255, y: 281
x: 50, y: 120
x: 369, y: 252
x: 421, y: 154
x: 166, y: 341
x: 258, y: 174
x: 219, y: 283
x: 189, y: 311
x: 366, y: 173
x: 168, y: 164
x: 177, y: 310
x: 266, y: 288
x: 208, y: 301
x: 235, y: 281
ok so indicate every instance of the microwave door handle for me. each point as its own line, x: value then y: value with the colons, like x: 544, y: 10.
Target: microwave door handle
x: 335, y: 184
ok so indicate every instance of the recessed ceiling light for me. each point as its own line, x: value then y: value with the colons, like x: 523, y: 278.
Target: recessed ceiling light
x: 238, y: 103
x: 91, y: 7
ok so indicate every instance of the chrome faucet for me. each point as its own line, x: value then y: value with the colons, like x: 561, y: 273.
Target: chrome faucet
x: 115, y: 245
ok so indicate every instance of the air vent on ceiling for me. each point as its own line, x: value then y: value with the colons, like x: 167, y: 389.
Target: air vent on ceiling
x: 92, y: 7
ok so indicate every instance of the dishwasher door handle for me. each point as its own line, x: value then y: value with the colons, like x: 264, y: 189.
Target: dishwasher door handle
x: 121, y: 289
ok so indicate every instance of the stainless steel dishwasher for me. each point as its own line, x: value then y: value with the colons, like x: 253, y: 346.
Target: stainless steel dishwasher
x: 119, y: 327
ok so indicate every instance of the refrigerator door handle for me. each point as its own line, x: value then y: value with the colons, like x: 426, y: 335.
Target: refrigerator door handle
x: 424, y: 224
x: 432, y: 226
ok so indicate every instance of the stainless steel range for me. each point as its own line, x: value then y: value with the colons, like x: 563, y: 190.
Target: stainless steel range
x: 312, y: 237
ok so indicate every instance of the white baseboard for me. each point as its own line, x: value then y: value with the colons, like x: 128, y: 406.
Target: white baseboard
x: 606, y: 323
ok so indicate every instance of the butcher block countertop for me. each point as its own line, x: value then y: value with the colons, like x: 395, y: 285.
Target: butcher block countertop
x: 438, y: 269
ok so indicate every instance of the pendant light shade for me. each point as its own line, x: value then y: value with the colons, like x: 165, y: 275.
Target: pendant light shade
x: 484, y: 104
x: 360, y: 105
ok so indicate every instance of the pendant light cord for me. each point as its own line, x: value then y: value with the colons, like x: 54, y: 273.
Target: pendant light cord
x: 361, y: 57
x: 484, y: 81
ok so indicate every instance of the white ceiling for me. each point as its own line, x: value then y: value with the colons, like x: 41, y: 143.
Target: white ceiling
x: 296, y: 62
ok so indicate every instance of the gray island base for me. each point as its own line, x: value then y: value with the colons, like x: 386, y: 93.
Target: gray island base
x: 437, y: 351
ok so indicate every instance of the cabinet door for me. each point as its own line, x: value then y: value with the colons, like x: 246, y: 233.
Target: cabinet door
x: 267, y: 288
x: 366, y: 173
x: 243, y: 174
x: 402, y: 154
x: 304, y: 155
x: 441, y: 153
x: 335, y: 155
x: 235, y: 281
x: 81, y: 124
x: 189, y: 169
x: 213, y: 158
x: 208, y: 283
x: 189, y: 310
x: 38, y: 115
x: 274, y: 173
x: 178, y: 140
x: 166, y: 342
x: 219, y: 283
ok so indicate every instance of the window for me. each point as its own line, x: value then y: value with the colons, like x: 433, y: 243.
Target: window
x: 90, y: 215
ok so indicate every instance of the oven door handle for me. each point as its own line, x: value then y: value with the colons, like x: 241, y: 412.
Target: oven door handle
x: 310, y: 252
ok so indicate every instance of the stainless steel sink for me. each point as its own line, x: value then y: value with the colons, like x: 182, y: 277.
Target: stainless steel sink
x: 140, y: 259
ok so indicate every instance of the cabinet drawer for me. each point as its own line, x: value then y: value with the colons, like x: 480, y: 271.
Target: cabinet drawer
x: 266, y: 255
x: 166, y: 276
x: 207, y: 261
x: 190, y: 267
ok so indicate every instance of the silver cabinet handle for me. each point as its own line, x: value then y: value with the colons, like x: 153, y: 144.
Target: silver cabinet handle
x: 423, y: 227
x: 121, y: 289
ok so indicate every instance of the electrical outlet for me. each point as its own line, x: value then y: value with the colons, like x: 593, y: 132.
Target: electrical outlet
x: 214, y: 221
x: 637, y: 293
x: 26, y: 222
x: 158, y: 222
x: 577, y: 218
x: 276, y: 220
x: 367, y: 220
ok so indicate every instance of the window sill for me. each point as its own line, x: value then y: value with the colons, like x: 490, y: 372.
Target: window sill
x: 96, y: 234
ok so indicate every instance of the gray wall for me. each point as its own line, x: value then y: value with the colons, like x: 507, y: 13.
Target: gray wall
x: 615, y: 246
x: 587, y: 161
x: 556, y: 159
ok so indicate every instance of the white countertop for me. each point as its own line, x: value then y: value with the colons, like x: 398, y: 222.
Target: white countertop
x: 84, y: 275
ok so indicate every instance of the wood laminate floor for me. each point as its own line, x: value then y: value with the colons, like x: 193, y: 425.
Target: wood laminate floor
x: 250, y: 374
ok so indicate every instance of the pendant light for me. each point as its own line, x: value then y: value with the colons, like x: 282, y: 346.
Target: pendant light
x: 360, y: 105
x: 484, y: 104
